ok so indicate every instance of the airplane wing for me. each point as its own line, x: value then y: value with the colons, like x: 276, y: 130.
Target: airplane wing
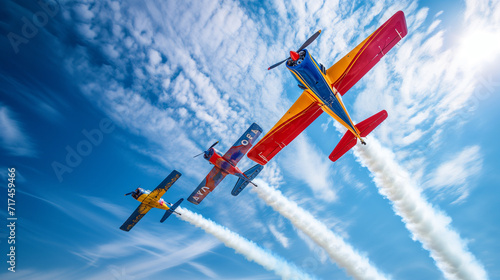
x: 302, y: 113
x: 163, y: 187
x: 135, y: 217
x: 241, y: 147
x: 213, y: 178
x: 352, y: 67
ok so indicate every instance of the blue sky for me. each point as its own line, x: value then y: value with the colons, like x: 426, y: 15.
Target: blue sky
x: 419, y: 202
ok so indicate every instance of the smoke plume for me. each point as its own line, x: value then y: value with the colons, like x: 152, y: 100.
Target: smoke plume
x: 250, y: 250
x: 427, y: 224
x: 339, y: 251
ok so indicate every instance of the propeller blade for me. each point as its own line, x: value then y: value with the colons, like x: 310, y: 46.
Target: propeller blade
x: 277, y: 64
x: 310, y: 40
x: 129, y: 193
x: 213, y: 145
x: 198, y: 154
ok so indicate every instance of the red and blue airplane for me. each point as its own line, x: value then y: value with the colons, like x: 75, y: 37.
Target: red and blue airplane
x: 226, y: 164
x: 152, y: 200
x: 323, y: 89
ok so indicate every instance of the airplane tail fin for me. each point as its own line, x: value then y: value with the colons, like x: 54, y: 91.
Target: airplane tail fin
x: 171, y: 210
x: 243, y: 182
x: 349, y: 140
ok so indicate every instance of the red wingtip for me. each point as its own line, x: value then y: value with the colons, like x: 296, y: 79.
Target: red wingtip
x: 295, y: 56
x: 269, y: 68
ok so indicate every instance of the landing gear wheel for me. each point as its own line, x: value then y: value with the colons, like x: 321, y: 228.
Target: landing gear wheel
x: 323, y: 69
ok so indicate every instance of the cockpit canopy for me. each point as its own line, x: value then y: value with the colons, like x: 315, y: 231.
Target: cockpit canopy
x: 139, y: 191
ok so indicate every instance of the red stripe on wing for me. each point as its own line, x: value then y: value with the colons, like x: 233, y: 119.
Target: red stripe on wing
x: 285, y: 130
x: 352, y: 67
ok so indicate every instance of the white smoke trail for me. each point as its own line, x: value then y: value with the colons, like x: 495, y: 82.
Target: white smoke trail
x: 339, y: 251
x: 428, y: 225
x: 250, y: 250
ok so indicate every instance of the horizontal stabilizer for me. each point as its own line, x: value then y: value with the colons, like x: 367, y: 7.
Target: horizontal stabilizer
x: 171, y: 210
x: 349, y: 140
x: 250, y: 174
x: 346, y: 143
x: 368, y: 125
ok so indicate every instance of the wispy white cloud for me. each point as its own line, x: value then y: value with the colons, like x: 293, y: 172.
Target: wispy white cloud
x: 114, y: 209
x: 343, y: 254
x: 427, y: 224
x: 316, y: 169
x: 191, y: 87
x: 41, y: 275
x: 452, y: 177
x: 279, y: 236
x: 205, y: 270
x: 161, y: 256
x: 13, y: 138
x: 272, y: 174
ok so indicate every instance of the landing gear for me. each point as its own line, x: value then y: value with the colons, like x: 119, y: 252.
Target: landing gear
x: 302, y: 87
x: 362, y: 141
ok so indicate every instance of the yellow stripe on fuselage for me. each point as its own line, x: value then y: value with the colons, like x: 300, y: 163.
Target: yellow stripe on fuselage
x: 338, y: 98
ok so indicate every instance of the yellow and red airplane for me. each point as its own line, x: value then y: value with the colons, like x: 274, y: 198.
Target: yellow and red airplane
x: 323, y: 89
x: 153, y: 200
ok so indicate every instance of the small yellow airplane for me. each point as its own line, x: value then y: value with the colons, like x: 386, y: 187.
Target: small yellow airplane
x: 153, y: 200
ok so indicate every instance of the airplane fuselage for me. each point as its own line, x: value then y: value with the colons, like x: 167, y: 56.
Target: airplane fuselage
x: 141, y: 196
x: 308, y: 73
x: 216, y: 159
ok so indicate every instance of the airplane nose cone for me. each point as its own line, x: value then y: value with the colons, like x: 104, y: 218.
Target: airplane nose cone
x: 295, y: 56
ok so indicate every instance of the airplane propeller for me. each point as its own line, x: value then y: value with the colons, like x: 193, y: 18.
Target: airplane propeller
x: 295, y: 55
x: 213, y: 145
x: 207, y: 149
x: 133, y: 191
x: 198, y: 154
